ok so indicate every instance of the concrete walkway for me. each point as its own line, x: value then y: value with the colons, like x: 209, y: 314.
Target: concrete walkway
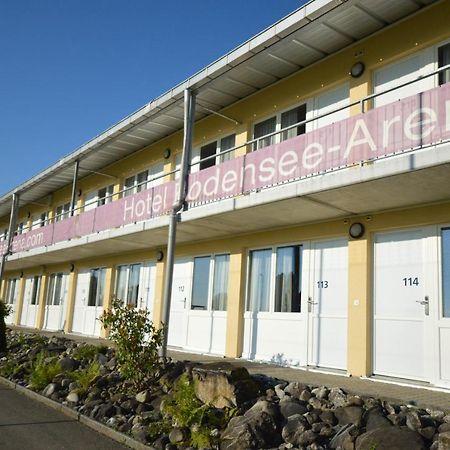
x: 28, y: 424
x: 391, y: 391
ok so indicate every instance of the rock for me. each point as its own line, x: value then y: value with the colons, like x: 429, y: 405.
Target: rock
x: 72, y: 386
x: 337, y: 397
x: 129, y: 405
x: 321, y: 392
x: 257, y: 428
x: 444, y: 427
x: 139, y: 433
x: 68, y: 364
x: 446, y: 418
x: 436, y: 414
x: 289, y: 407
x: 344, y: 439
x: 354, y: 400
x: 444, y: 441
x: 390, y: 438
x: 427, y: 432
x: 305, y: 395
x: 374, y: 418
x: 397, y: 419
x: 349, y: 415
x: 105, y: 410
x: 318, y: 403
x: 223, y: 385
x: 111, y: 364
x: 294, y: 428
x: 413, y: 420
x: 294, y: 389
x: 279, y: 391
x: 65, y: 383
x: 307, y: 437
x: 143, y: 397
x: 72, y: 397
x: 101, y: 359
x: 178, y: 435
x: 49, y: 389
x: 328, y: 417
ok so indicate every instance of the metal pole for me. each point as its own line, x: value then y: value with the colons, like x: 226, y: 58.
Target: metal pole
x: 189, y: 118
x: 74, y: 188
x: 11, y: 231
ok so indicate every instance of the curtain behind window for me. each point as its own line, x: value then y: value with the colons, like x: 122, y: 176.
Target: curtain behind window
x: 263, y: 128
x: 259, y: 293
x: 288, y: 279
x: 220, y: 286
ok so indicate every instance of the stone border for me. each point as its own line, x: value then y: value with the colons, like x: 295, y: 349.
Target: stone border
x: 91, y: 423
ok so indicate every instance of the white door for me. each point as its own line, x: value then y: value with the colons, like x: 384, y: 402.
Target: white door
x: 400, y: 317
x: 327, y: 304
x: 147, y: 287
x: 81, y: 301
x: 30, y: 302
x: 55, y: 308
x: 180, y: 303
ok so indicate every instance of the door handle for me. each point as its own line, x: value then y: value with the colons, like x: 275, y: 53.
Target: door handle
x: 184, y: 303
x: 425, y: 302
x: 310, y: 304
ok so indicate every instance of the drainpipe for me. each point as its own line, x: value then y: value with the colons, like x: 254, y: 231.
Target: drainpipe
x: 74, y: 188
x: 11, y: 232
x: 189, y: 118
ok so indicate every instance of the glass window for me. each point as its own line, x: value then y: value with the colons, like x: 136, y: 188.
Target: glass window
x: 51, y: 287
x: 445, y: 235
x: 288, y: 279
x: 220, y: 283
x: 133, y: 284
x: 11, y: 296
x: 225, y: 144
x: 58, y: 290
x: 35, y: 290
x: 121, y: 287
x: 290, y: 118
x: 141, y: 179
x: 129, y: 186
x: 105, y: 195
x: 62, y: 212
x: 205, y: 152
x: 96, y: 287
x: 259, y: 292
x: 444, y: 60
x: 200, y: 283
x: 263, y: 128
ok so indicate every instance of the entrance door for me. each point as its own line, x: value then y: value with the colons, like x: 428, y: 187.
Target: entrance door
x: 180, y: 303
x: 55, y: 308
x: 30, y: 301
x: 327, y: 304
x: 400, y: 310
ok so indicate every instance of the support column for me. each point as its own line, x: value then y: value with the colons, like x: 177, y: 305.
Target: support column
x: 73, y: 277
x: 19, y: 304
x: 108, y: 295
x: 159, y: 292
x: 73, y: 201
x: 359, y: 345
x: 42, y: 299
x: 236, y: 304
x: 3, y: 289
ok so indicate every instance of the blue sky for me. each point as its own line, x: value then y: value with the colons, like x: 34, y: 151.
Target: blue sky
x: 71, y: 68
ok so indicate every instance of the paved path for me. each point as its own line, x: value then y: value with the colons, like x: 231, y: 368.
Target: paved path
x: 26, y: 424
x: 439, y: 399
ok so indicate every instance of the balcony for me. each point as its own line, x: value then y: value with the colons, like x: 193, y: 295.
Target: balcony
x: 394, y: 156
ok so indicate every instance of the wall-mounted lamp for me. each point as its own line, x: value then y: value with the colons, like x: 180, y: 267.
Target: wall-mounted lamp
x: 29, y: 214
x: 21, y: 274
x: 356, y: 230
x: 357, y: 69
x: 167, y: 153
x: 79, y: 192
x: 159, y: 255
x: 72, y: 267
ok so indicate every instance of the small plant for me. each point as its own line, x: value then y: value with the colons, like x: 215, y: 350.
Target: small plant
x: 43, y: 373
x: 85, y: 377
x: 5, y: 311
x: 87, y: 351
x: 9, y: 369
x: 137, y: 342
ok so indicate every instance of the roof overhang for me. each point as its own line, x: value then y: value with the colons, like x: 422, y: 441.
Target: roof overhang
x: 307, y: 35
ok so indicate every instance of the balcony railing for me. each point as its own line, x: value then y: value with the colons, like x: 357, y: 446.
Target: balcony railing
x: 409, y: 124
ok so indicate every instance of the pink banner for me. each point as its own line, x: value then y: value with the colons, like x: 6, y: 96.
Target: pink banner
x: 413, y: 122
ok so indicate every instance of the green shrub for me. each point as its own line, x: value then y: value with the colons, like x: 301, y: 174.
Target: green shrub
x: 137, y: 342
x: 85, y: 377
x: 5, y: 311
x: 9, y: 368
x: 85, y: 351
x: 43, y: 373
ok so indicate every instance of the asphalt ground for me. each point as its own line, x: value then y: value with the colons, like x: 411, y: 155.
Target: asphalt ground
x: 26, y: 424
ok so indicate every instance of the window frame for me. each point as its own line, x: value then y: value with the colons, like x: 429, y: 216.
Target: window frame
x: 272, y: 282
x: 64, y: 214
x: 211, y: 279
x: 219, y: 157
x: 128, y: 266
